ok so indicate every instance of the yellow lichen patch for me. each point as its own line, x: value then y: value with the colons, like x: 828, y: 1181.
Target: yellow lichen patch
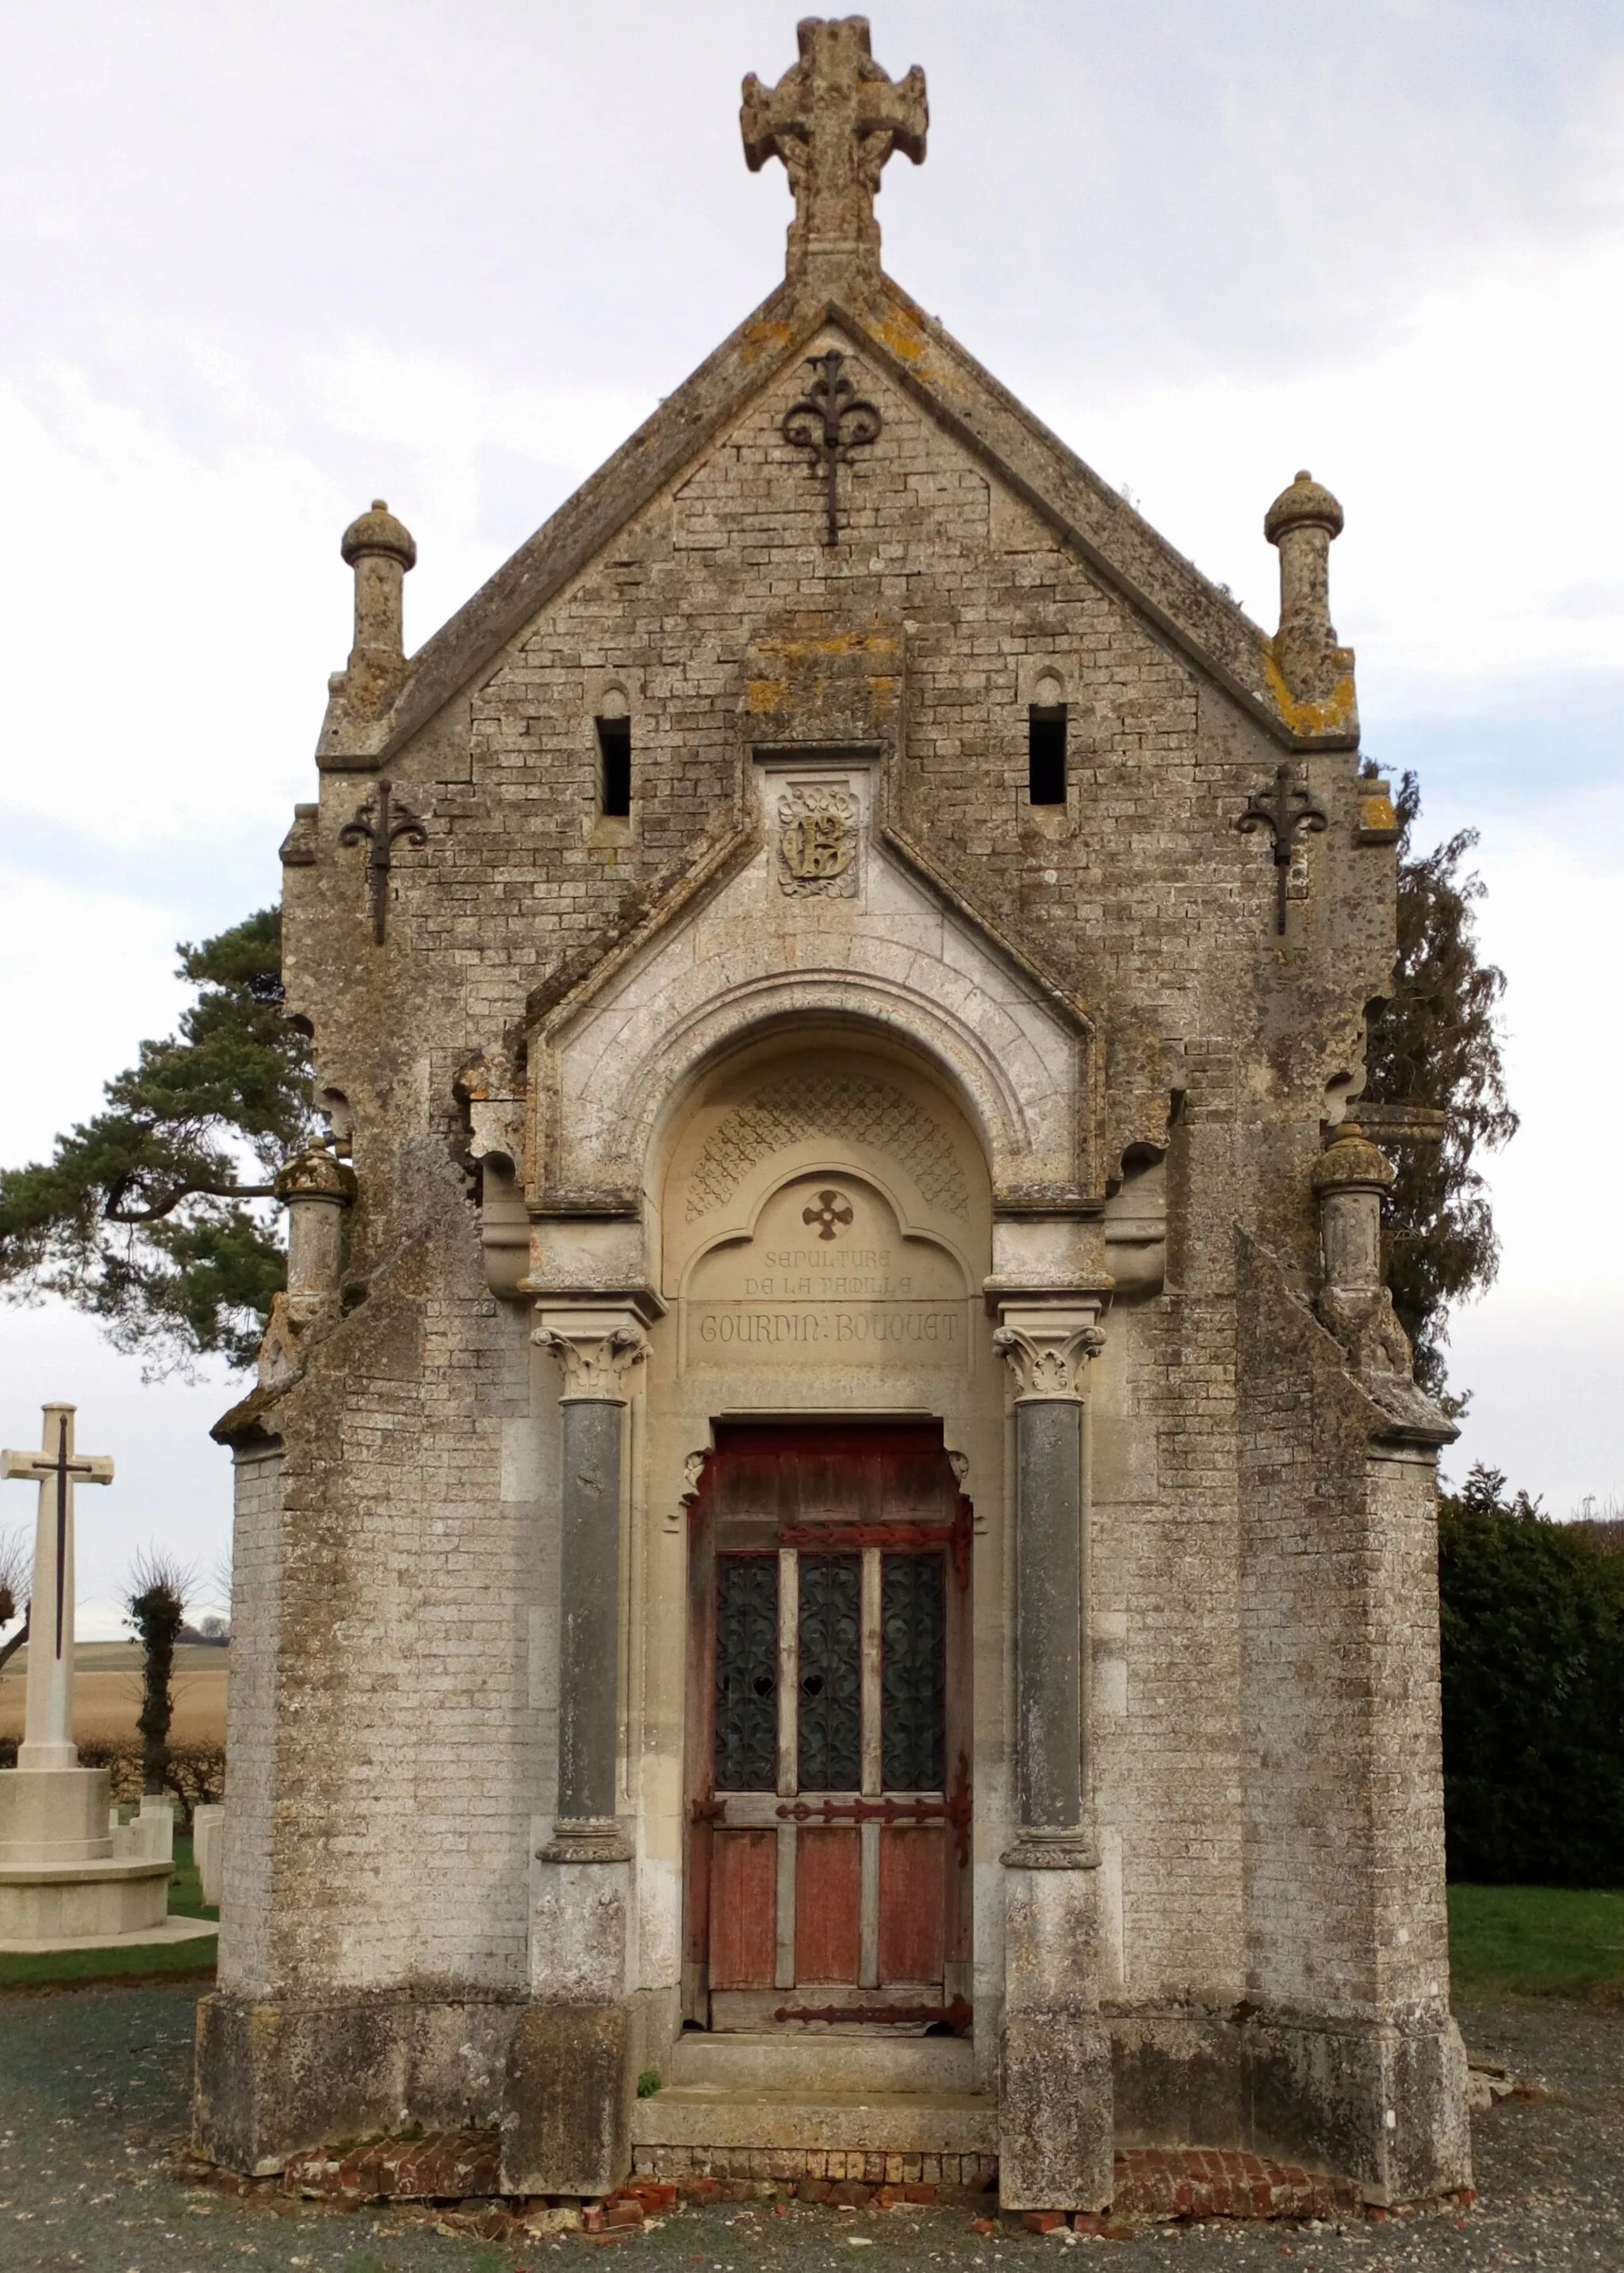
x: 902, y: 338
x: 832, y: 643
x: 1376, y: 813
x: 761, y: 339
x: 765, y: 694
x: 1335, y: 713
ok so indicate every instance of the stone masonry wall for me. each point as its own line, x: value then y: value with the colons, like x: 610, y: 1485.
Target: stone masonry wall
x: 411, y: 1742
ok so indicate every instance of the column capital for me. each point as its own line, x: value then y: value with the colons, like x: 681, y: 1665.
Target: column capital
x: 1048, y: 1345
x: 597, y: 1343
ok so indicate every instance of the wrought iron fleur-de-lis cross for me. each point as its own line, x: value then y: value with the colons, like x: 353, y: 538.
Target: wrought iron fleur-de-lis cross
x: 829, y: 422
x: 1286, y: 809
x: 379, y: 824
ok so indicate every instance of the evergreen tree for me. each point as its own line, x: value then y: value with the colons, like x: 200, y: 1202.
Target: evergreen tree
x: 1437, y: 1043
x: 155, y: 1606
x: 154, y: 1216
x: 1532, y: 1631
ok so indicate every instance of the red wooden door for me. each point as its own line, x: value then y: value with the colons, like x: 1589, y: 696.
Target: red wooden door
x: 828, y: 1762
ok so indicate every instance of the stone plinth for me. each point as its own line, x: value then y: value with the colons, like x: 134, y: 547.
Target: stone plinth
x: 84, y: 1902
x: 52, y: 1818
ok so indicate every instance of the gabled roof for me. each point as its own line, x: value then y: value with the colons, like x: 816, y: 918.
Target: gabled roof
x: 951, y: 388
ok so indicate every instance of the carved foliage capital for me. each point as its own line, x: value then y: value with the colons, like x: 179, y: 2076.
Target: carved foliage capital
x: 596, y: 1353
x: 1048, y: 1350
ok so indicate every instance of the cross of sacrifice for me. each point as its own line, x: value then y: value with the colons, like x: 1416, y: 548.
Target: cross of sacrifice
x: 834, y: 118
x: 55, y: 1468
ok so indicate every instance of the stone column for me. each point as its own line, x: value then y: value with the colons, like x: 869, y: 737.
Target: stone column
x: 1055, y: 2141
x: 380, y: 551
x: 1350, y: 1179
x: 1302, y: 523
x: 316, y: 1188
x: 567, y: 2125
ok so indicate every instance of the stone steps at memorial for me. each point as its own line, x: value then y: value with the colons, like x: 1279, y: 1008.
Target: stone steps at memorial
x: 709, y: 2117
x: 819, y: 2062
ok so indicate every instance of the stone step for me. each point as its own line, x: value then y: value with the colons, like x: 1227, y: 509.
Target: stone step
x: 882, y: 2122
x: 814, y: 2063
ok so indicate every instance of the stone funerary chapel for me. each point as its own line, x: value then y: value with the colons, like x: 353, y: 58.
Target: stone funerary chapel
x: 835, y: 1512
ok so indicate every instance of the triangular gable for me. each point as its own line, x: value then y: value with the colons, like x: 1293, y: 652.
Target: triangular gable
x: 922, y: 359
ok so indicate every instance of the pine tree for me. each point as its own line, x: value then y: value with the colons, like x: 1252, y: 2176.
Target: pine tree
x: 155, y: 1215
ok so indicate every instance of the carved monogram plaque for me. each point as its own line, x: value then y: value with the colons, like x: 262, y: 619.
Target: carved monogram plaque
x: 818, y: 841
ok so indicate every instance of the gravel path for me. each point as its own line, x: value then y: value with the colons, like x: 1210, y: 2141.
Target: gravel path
x: 92, y: 2112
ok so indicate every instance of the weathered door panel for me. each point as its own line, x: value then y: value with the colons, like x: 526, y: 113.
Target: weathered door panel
x: 828, y: 1749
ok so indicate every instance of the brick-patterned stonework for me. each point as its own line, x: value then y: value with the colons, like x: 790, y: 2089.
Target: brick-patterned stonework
x: 873, y: 2167
x: 1071, y: 1039
x: 1151, y: 2182
x: 1195, y: 2182
x: 443, y: 2166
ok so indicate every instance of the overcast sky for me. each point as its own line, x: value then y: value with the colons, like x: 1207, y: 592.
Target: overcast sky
x: 260, y: 264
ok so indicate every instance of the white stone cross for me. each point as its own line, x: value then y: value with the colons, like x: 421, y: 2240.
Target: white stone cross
x: 47, y: 1726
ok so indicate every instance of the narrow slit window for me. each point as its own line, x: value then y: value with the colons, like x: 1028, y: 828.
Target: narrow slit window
x: 1045, y: 753
x: 615, y: 768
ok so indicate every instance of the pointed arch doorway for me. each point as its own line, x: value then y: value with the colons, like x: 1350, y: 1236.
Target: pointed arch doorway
x: 829, y: 1805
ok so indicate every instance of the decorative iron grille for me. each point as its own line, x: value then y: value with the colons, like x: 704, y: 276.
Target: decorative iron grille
x: 831, y: 1690
x: 747, y: 1673
x: 913, y: 1683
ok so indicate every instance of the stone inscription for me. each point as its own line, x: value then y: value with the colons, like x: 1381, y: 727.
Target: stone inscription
x: 935, y: 1336
x: 828, y: 1281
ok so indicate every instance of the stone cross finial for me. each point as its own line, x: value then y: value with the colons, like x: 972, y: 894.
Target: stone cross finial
x: 834, y: 119
x: 47, y: 1723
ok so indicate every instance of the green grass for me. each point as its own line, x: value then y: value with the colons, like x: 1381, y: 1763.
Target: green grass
x: 1536, y: 1942
x: 67, y: 1967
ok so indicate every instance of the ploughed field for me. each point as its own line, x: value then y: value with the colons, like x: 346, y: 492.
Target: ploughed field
x: 107, y: 1692
x: 94, y: 2175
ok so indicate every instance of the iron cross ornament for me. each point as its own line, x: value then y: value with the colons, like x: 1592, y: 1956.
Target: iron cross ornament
x: 830, y: 421
x: 379, y: 824
x: 1282, y: 811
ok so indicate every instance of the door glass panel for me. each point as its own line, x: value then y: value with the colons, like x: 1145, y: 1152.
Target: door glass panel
x: 831, y: 1688
x: 746, y: 1672
x: 914, y: 1673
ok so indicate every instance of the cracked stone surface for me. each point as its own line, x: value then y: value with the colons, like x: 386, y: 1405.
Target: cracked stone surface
x: 94, y: 2112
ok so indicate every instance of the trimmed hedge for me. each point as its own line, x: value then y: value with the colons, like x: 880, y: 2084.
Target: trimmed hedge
x: 1533, y: 1616
x: 197, y: 1772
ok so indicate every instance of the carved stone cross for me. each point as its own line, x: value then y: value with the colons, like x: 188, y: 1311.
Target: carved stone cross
x: 47, y: 1724
x: 834, y: 119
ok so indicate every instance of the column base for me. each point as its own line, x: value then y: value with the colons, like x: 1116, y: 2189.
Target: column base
x: 566, y: 2126
x: 587, y: 1839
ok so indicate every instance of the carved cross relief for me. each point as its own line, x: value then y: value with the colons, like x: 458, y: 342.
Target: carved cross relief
x: 834, y: 119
